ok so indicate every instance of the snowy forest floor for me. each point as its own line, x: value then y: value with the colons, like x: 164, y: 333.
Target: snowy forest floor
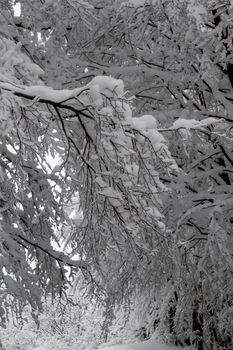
x: 151, y: 344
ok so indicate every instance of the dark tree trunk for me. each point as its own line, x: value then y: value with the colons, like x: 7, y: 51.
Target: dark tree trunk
x: 230, y: 72
x: 198, y: 328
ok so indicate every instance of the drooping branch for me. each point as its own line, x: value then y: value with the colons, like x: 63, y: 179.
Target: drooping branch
x: 55, y: 255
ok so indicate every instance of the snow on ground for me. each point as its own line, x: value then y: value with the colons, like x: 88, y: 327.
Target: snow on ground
x: 151, y: 344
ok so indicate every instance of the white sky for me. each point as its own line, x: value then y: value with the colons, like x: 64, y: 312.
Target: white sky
x: 17, y: 9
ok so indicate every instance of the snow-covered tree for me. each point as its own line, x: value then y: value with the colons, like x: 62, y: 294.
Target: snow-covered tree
x: 134, y: 98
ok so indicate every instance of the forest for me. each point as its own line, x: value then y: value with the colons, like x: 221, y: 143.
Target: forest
x: 116, y: 171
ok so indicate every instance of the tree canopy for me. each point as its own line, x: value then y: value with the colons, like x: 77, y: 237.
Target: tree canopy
x: 134, y: 101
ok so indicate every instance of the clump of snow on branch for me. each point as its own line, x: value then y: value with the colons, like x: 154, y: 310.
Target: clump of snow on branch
x: 193, y: 123
x: 146, y: 125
